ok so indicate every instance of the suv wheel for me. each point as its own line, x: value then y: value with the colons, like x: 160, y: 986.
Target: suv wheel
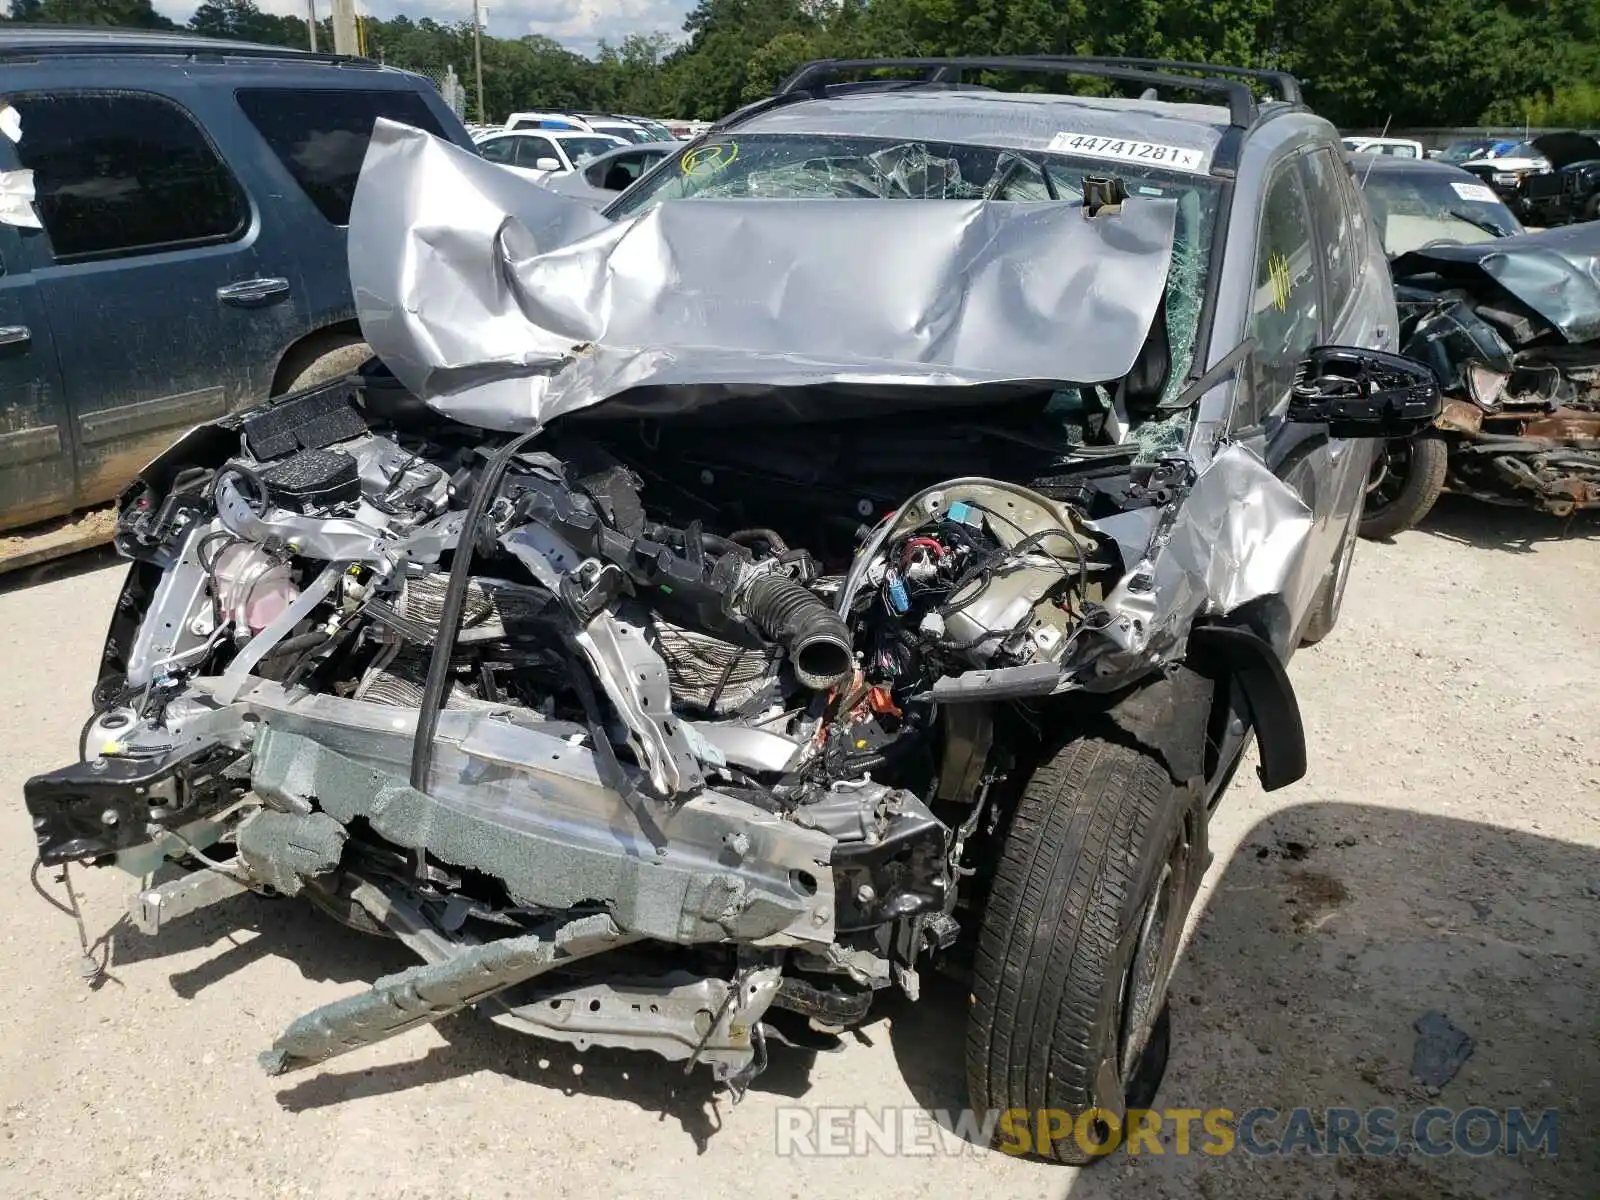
x: 1079, y: 937
x: 1407, y: 477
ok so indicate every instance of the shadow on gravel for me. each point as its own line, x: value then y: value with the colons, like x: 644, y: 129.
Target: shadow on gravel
x: 252, y: 928
x: 247, y: 928
x: 1330, y: 932
x: 68, y: 567
x: 475, y: 1044
x: 1494, y: 527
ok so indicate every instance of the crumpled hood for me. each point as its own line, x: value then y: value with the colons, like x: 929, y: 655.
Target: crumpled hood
x: 505, y: 305
x: 1555, y: 273
x: 1564, y: 149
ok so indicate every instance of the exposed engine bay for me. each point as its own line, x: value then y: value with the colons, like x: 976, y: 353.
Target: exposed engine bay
x: 744, y: 756
x: 1511, y: 328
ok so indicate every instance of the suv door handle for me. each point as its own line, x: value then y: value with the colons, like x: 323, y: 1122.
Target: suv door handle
x: 15, y: 335
x: 249, y: 292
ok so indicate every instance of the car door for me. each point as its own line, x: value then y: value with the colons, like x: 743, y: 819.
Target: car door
x: 315, y: 142
x: 1287, y: 317
x: 161, y: 308
x: 36, y: 468
x: 530, y: 148
x: 519, y: 152
x: 1359, y: 301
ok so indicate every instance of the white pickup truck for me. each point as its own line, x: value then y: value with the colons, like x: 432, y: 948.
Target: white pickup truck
x: 1391, y: 147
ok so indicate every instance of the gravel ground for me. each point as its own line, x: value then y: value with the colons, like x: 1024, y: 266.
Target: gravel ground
x: 1443, y: 855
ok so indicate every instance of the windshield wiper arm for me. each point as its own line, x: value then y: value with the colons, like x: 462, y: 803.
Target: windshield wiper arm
x: 1486, y: 226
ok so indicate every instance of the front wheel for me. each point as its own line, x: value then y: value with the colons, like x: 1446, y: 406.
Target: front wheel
x: 1078, y: 941
x: 1407, y: 477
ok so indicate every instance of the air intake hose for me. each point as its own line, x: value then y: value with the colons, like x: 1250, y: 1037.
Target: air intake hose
x: 813, y: 635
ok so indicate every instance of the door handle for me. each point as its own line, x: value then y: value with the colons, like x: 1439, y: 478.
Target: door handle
x: 249, y: 292
x: 15, y: 335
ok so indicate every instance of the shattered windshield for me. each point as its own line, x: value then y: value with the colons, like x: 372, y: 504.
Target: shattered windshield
x: 1415, y: 209
x: 832, y: 167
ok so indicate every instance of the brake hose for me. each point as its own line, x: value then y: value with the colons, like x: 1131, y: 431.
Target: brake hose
x: 454, y: 604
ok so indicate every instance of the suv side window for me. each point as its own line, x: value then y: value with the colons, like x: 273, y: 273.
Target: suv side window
x: 121, y: 173
x: 1342, y: 245
x: 1286, y: 308
x: 321, y: 136
x: 1360, y: 226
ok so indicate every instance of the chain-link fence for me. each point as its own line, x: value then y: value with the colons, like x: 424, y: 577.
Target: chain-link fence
x: 451, y: 88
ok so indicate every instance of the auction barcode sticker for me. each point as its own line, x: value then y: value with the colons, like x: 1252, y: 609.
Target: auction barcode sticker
x: 1149, y: 154
x: 1475, y: 191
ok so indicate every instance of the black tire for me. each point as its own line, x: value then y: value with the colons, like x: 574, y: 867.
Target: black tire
x: 320, y: 362
x: 1102, y: 859
x: 1407, y: 479
x: 1591, y: 208
x: 1324, y: 613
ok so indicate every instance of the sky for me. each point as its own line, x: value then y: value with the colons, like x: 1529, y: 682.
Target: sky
x: 578, y: 24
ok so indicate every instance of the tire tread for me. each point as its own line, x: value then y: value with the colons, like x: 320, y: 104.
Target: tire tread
x: 1430, y: 461
x: 1057, y: 909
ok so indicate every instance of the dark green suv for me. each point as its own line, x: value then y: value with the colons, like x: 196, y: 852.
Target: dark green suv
x: 183, y: 254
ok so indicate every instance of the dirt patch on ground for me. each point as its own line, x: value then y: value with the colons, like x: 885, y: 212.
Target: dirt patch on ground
x: 37, y: 544
x: 1316, y: 897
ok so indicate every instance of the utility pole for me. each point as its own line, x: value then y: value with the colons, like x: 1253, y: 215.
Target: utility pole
x: 345, y: 40
x: 477, y: 54
x: 311, y: 22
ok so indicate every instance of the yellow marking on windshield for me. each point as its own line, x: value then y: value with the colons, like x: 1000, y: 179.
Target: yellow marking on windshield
x: 709, y: 159
x: 1278, y: 265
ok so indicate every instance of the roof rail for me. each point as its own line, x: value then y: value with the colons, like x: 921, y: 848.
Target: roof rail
x: 174, y: 49
x: 1288, y: 87
x: 812, y: 79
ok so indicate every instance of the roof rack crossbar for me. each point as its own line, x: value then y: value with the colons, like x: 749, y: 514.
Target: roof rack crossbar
x: 813, y: 77
x: 174, y: 49
x: 1287, y: 86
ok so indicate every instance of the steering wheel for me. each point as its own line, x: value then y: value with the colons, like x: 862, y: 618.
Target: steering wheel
x: 1439, y: 242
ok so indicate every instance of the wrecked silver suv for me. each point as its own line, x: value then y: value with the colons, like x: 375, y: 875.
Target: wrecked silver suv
x: 705, y: 620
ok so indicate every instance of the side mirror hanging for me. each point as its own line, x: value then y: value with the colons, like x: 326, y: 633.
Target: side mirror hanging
x: 1360, y: 393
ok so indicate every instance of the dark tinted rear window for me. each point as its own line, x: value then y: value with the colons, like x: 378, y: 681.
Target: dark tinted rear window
x: 322, y: 136
x: 119, y: 173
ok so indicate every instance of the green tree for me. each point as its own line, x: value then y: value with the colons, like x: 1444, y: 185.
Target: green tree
x: 242, y: 21
x: 1364, y: 62
x: 134, y: 14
